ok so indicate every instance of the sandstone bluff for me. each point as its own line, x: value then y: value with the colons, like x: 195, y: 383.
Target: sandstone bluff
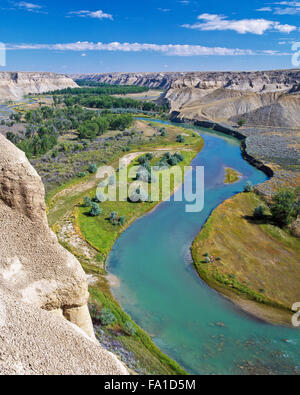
x: 14, y: 85
x: 44, y: 320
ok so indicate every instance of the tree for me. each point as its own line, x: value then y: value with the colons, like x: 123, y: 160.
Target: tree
x: 92, y: 168
x: 241, y: 122
x: 142, y: 160
x: 95, y: 210
x: 149, y: 156
x: 107, y: 317
x: 285, y: 207
x: 114, y: 218
x: 87, y: 202
x: 259, y: 212
x: 129, y: 328
x: 180, y: 138
x: 248, y: 187
x: 122, y: 220
x: 103, y: 124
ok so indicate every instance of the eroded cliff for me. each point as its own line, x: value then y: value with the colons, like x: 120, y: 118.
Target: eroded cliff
x: 45, y: 324
x: 14, y: 85
x: 262, y: 98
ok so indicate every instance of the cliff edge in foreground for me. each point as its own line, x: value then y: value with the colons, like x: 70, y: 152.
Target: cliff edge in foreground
x: 45, y: 326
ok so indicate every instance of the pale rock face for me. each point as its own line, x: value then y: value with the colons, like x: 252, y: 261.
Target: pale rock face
x: 264, y: 98
x: 14, y: 85
x: 35, y: 270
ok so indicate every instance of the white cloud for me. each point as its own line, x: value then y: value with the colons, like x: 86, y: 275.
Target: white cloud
x: 212, y: 22
x: 264, y: 9
x: 28, y: 6
x: 167, y: 49
x: 284, y: 8
x: 92, y: 14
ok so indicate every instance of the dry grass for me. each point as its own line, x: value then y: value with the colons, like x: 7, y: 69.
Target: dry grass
x: 258, y: 260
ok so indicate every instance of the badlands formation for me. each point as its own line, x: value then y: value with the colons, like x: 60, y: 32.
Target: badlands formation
x: 14, y: 85
x: 267, y: 98
x: 45, y: 326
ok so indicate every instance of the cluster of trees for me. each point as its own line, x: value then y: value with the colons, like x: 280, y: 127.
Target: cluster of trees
x: 170, y: 160
x: 115, y: 219
x: 97, y: 126
x: 111, y: 102
x: 97, y: 88
x: 285, y: 206
x: 45, y: 124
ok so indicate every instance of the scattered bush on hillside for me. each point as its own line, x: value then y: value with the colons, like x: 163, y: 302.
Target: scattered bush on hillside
x: 285, y: 207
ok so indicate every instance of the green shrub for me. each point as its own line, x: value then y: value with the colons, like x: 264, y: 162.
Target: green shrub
x: 248, y: 187
x: 180, y: 138
x: 81, y: 174
x: 129, y: 328
x: 114, y: 218
x: 95, y: 210
x: 285, y: 206
x: 122, y: 220
x: 107, y: 317
x: 259, y: 212
x: 87, y: 202
x: 92, y: 169
x: 149, y: 156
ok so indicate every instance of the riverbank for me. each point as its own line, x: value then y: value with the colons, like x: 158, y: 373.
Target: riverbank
x: 248, y: 260
x: 251, y: 300
x: 91, y: 248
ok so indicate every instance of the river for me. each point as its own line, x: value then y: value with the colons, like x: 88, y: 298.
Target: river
x: 196, y: 326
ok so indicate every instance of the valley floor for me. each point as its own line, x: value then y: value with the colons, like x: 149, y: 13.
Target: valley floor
x: 91, y: 239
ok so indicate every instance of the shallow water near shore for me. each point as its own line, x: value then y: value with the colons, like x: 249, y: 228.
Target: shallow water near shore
x: 159, y: 288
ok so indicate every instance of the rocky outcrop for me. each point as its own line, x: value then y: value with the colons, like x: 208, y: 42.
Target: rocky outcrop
x: 44, y: 318
x: 262, y: 98
x: 259, y: 81
x: 14, y: 85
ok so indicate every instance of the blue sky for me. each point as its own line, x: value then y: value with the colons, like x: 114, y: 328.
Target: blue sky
x: 154, y: 35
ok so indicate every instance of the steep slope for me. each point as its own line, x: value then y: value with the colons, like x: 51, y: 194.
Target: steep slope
x: 37, y: 274
x: 14, y: 85
x: 264, y: 98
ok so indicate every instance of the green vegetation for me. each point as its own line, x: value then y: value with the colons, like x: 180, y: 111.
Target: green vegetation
x: 98, y: 88
x: 285, y: 206
x: 102, y: 231
x: 46, y: 124
x: 241, y: 122
x: 231, y: 176
x: 248, y: 187
x: 235, y: 266
x: 111, y: 102
x: 92, y: 169
x: 95, y: 210
x: 180, y: 139
x: 150, y: 358
x: 259, y: 212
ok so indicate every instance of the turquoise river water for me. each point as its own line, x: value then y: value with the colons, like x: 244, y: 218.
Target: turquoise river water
x: 161, y: 291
